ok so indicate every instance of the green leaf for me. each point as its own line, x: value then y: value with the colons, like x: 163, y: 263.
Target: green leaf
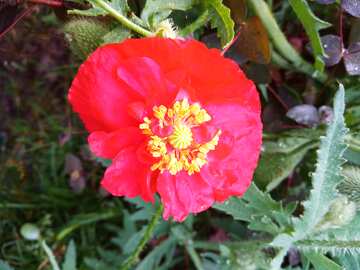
x: 154, y: 258
x: 312, y: 25
x: 70, y: 257
x: 155, y: 11
x: 281, y: 154
x: 116, y: 35
x: 5, y: 266
x: 321, y: 262
x: 220, y: 18
x: 120, y: 5
x: 259, y: 209
x: 328, y: 171
x: 199, y: 22
x: 85, y: 219
x: 325, y: 179
x: 350, y: 261
x: 273, y: 168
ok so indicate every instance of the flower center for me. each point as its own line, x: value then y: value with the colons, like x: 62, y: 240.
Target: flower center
x: 171, y: 138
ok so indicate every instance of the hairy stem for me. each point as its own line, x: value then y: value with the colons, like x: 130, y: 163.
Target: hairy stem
x: 132, y: 259
x: 122, y: 19
x: 281, y: 43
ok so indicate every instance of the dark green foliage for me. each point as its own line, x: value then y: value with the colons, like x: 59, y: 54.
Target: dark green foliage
x: 309, y: 221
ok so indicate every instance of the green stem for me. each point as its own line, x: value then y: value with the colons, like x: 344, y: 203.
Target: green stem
x: 132, y: 259
x: 122, y: 19
x: 50, y: 255
x: 281, y: 43
x: 278, y: 60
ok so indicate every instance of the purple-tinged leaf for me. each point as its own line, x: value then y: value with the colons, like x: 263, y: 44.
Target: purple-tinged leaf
x: 304, y: 114
x: 326, y: 114
x: 73, y: 167
x: 352, y: 59
x: 352, y: 7
x: 326, y: 2
x: 333, y: 48
x: 72, y: 163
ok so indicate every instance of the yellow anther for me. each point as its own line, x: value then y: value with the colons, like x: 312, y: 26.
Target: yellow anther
x: 178, y: 151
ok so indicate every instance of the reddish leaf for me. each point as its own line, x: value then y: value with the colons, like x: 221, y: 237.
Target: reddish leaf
x: 253, y: 41
x: 238, y: 10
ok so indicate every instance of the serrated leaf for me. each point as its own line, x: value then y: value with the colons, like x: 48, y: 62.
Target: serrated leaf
x: 350, y: 261
x: 155, y: 11
x: 70, y: 257
x: 321, y: 262
x: 220, y: 18
x: 312, y: 25
x: 259, y: 209
x: 5, y: 266
x: 325, y: 179
x: 328, y: 171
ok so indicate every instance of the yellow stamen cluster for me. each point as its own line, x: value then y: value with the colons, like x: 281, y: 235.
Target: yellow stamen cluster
x: 178, y: 151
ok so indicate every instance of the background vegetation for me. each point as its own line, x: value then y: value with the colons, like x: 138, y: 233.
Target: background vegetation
x: 301, y: 213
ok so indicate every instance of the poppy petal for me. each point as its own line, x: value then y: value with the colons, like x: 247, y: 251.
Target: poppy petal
x: 144, y: 76
x: 128, y: 177
x: 99, y: 96
x: 108, y: 145
x: 183, y: 194
x: 232, y: 163
x: 213, y: 77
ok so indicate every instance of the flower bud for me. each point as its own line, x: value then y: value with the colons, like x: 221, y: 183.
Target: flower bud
x: 341, y: 212
x: 84, y: 35
x: 30, y: 232
x: 350, y: 186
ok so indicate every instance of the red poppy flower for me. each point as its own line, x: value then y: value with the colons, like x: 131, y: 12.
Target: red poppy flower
x: 175, y: 117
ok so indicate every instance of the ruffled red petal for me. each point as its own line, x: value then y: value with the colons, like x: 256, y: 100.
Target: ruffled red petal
x: 231, y: 165
x: 98, y: 95
x: 108, y: 145
x: 128, y: 177
x: 183, y: 194
x: 108, y: 86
